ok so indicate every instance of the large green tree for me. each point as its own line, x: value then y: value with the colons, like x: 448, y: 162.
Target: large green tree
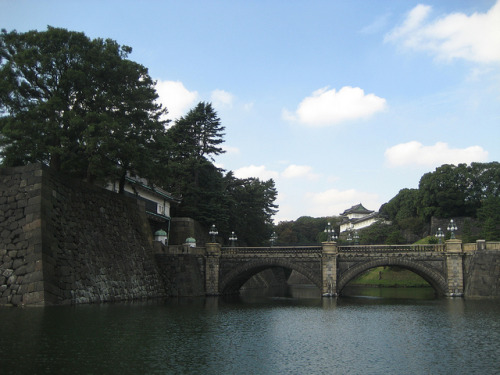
x: 76, y: 104
x: 193, y: 142
x: 458, y: 190
x: 245, y: 206
x: 197, y: 135
x: 402, y: 206
x: 250, y: 209
x: 443, y: 193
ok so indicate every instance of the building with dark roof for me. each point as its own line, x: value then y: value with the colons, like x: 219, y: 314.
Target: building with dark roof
x: 156, y: 200
x: 357, y: 217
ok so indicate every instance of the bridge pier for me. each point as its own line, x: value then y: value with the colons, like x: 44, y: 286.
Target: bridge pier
x: 454, y: 268
x: 329, y: 269
x: 212, y: 264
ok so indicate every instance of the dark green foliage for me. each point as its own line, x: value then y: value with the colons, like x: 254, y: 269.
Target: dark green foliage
x: 402, y: 212
x: 489, y: 215
x: 245, y: 206
x: 305, y: 230
x: 379, y: 234
x: 446, y: 193
x: 402, y: 206
x: 193, y: 142
x: 76, y: 104
x: 250, y: 208
x: 197, y: 135
x: 432, y: 240
x: 454, y: 191
x: 449, y: 192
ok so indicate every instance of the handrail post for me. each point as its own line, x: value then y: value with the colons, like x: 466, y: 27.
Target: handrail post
x: 454, y: 268
x: 212, y: 262
x: 329, y: 269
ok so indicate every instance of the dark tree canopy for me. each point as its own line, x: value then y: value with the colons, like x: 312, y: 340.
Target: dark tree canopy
x: 306, y: 230
x: 250, y: 205
x: 76, y: 104
x: 452, y: 191
x: 198, y: 134
x: 402, y: 206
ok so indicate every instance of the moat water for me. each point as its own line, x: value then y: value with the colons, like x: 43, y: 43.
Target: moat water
x: 374, y: 331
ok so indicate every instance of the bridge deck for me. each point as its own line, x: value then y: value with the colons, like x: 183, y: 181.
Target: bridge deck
x: 314, y: 251
x: 275, y: 251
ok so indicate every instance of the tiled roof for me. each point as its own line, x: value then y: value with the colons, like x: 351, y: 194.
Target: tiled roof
x: 357, y: 209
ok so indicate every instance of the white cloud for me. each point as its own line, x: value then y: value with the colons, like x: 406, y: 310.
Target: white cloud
x: 176, y: 98
x: 259, y: 171
x: 290, y: 172
x: 457, y: 35
x: 231, y: 150
x: 222, y: 98
x: 299, y: 171
x: 415, y: 153
x: 333, y: 201
x: 328, y: 107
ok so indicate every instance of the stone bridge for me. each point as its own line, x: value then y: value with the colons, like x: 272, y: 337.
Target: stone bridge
x: 331, y: 267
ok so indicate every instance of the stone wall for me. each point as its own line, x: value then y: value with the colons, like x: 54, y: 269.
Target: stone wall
x: 183, y: 274
x: 66, y: 242
x: 481, y: 274
x: 21, y: 272
x: 183, y: 227
x: 467, y: 226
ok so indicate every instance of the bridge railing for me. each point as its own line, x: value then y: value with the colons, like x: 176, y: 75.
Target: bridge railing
x: 274, y: 250
x: 391, y: 248
x: 183, y: 249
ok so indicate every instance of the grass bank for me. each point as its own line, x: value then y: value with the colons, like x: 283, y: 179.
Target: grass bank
x: 393, y: 277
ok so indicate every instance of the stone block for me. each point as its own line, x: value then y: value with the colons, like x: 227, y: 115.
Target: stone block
x: 35, y: 224
x: 16, y: 299
x: 5, y: 235
x: 33, y: 298
x: 36, y: 276
x: 7, y: 272
x: 21, y: 271
x: 17, y: 263
x: 11, y: 280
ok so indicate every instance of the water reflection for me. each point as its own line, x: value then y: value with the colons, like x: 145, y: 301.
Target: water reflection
x: 401, y: 293
x: 255, y: 335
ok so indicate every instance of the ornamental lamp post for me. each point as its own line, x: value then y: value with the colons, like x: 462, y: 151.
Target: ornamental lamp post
x: 274, y: 238
x: 440, y: 235
x: 330, y: 233
x: 334, y: 235
x: 452, y: 227
x: 213, y: 233
x: 349, y: 237
x: 356, y: 238
x: 233, y: 239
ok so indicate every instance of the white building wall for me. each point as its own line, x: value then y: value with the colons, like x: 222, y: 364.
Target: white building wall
x: 357, y: 226
x: 163, y: 206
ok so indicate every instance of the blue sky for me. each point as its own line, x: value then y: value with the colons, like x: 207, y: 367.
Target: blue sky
x: 340, y: 102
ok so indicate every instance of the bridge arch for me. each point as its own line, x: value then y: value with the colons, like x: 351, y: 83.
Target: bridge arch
x: 429, y: 274
x: 234, y: 280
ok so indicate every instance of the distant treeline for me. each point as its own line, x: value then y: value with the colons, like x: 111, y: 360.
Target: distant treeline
x: 470, y: 192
